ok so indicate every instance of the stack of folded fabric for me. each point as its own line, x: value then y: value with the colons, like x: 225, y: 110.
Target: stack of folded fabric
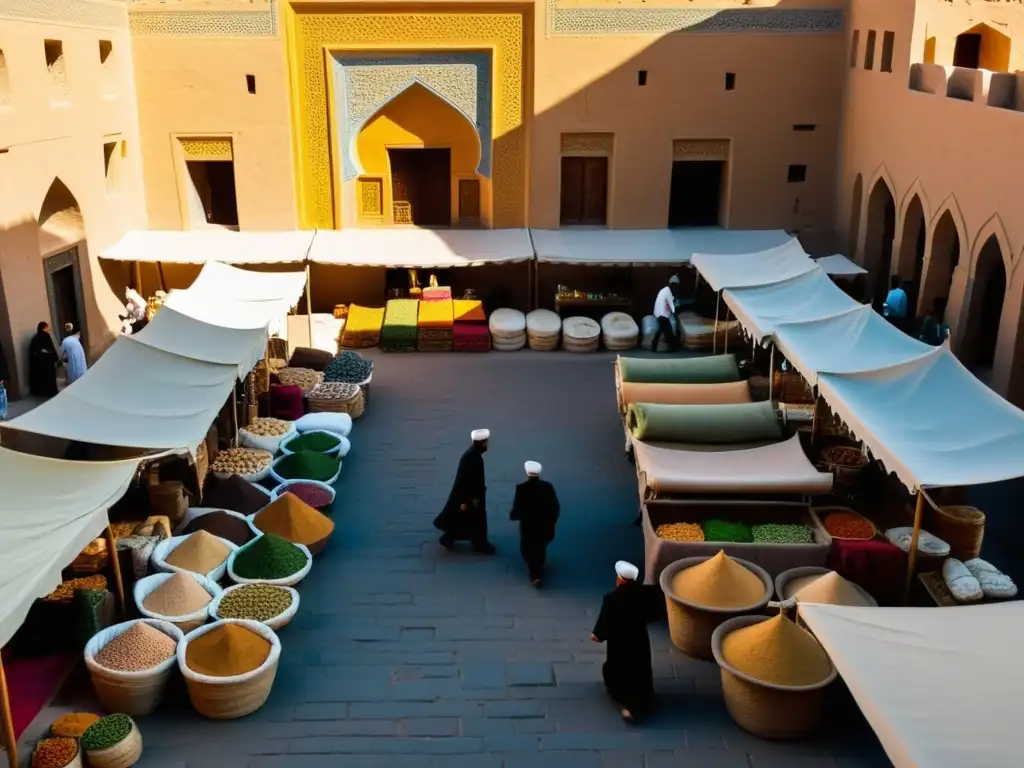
x: 434, y: 326
x: 362, y: 328
x: 470, y: 332
x: 580, y: 334
x: 508, y: 330
x: 437, y: 293
x: 399, y: 331
x: 543, y: 328
x: 619, y: 331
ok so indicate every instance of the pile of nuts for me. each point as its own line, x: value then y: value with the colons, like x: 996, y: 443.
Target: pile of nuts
x: 241, y: 461
x: 268, y: 427
x: 66, y: 590
x: 138, y: 648
x: 305, y: 378
x: 258, y: 602
x: 844, y: 456
x: 680, y: 532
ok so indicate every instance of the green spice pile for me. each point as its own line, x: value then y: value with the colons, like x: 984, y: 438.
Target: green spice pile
x: 320, y: 442
x: 106, y: 732
x: 723, y: 530
x: 259, y: 602
x: 54, y: 753
x: 269, y: 557
x: 307, y: 465
x: 778, y: 533
x: 350, y: 367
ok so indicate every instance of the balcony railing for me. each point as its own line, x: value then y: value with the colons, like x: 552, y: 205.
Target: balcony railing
x: 1003, y: 90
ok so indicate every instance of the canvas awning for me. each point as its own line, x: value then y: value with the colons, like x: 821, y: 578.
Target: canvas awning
x: 414, y: 248
x: 838, y: 265
x: 810, y: 296
x: 646, y: 247
x: 778, y: 468
x: 752, y: 269
x: 852, y: 342
x: 49, y: 511
x: 940, y: 686
x: 180, y: 334
x: 136, y: 396
x: 930, y: 421
x: 200, y: 246
x: 222, y: 283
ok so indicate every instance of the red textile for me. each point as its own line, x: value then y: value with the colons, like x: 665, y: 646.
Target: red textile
x: 32, y: 683
x: 471, y: 337
x: 286, y: 402
x: 876, y: 565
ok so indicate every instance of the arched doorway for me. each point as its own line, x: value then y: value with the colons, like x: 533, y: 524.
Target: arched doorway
x: 858, y: 195
x: 911, y: 258
x: 986, y: 308
x: 944, y: 258
x: 881, y: 228
x: 427, y: 153
x: 61, y: 235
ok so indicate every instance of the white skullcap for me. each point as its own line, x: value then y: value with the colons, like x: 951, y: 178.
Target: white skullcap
x: 626, y: 570
x: 479, y: 435
x: 673, y: 280
x: 532, y: 468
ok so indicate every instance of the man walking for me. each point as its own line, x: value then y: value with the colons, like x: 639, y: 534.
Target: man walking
x: 895, y: 307
x: 535, y: 508
x: 664, y: 310
x: 464, y: 517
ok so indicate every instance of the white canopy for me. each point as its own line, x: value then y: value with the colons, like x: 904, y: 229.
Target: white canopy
x: 941, y: 687
x: 136, y: 396
x: 420, y: 248
x: 930, y: 421
x: 810, y: 296
x: 201, y: 246
x: 223, y: 283
x: 840, y: 266
x: 180, y: 334
x: 852, y: 342
x: 49, y: 511
x: 751, y: 269
x: 646, y: 247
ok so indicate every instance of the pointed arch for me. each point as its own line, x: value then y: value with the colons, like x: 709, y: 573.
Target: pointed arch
x: 60, y: 220
x: 880, y: 231
x: 915, y: 189
x: 952, y: 207
x: 993, y: 228
x: 985, y: 299
x: 881, y: 173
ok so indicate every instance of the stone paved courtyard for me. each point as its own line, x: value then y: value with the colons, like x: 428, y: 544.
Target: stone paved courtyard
x: 406, y: 655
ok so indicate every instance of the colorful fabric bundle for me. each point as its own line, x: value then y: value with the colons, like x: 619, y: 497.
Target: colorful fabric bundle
x: 437, y: 293
x: 471, y: 337
x: 469, y: 311
x: 363, y: 327
x: 399, y: 331
x: 436, y: 314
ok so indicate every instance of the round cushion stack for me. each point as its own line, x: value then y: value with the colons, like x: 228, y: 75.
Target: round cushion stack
x: 508, y: 330
x: 620, y: 331
x: 580, y: 334
x: 542, y: 329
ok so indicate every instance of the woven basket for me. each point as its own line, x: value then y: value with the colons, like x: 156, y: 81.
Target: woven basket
x: 962, y: 527
x: 168, y: 499
x: 692, y: 626
x: 845, y: 473
x: 75, y: 762
x: 354, y: 406
x: 767, y: 710
x: 126, y: 752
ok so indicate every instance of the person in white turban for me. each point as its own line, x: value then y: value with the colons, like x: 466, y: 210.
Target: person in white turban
x: 622, y: 626
x: 536, y: 509
x: 464, y: 517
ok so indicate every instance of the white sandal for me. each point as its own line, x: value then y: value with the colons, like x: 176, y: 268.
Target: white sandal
x: 994, y: 583
x: 962, y: 584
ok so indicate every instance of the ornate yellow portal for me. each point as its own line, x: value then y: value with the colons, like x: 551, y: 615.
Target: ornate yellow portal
x: 315, y: 38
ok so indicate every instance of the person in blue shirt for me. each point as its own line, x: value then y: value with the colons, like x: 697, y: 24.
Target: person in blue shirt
x: 895, y: 307
x: 73, y: 353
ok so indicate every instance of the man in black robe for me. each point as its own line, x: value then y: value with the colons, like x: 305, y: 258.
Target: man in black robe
x: 42, y: 363
x: 464, y: 517
x: 622, y: 625
x: 535, y: 508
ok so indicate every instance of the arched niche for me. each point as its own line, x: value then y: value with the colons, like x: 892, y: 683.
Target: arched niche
x: 855, y: 206
x: 910, y: 264
x: 878, y: 238
x: 60, y: 220
x: 981, y: 334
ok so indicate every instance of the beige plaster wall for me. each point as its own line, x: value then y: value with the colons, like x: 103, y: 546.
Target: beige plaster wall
x: 42, y: 140
x: 953, y: 154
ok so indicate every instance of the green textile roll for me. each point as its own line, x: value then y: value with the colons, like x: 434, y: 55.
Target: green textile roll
x: 707, y: 424
x: 717, y: 369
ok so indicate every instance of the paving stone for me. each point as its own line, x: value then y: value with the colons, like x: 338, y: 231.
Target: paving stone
x: 530, y: 673
x: 430, y: 726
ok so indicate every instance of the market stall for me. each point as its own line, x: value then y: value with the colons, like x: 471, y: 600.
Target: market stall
x: 939, y: 687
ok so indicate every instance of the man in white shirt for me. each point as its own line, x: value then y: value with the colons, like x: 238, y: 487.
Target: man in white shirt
x: 664, y: 309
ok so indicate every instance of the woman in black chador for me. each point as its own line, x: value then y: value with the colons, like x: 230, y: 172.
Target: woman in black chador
x: 42, y: 363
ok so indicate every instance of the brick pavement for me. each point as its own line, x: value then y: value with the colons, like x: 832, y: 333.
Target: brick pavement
x: 406, y: 655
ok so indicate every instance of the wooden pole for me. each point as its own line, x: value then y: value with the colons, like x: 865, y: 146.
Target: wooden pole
x: 725, y: 341
x: 771, y: 372
x: 160, y: 274
x: 115, y: 563
x: 309, y: 304
x: 234, y: 414
x: 5, y: 704
x: 912, y: 554
x: 816, y: 421
x: 138, y: 279
x: 536, y: 283
x: 714, y: 333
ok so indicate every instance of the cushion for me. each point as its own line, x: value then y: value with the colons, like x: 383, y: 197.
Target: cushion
x: 507, y: 322
x: 580, y: 329
x: 307, y: 357
x: 619, y: 326
x: 716, y: 369
x: 543, y: 322
x: 709, y: 424
x: 338, y: 423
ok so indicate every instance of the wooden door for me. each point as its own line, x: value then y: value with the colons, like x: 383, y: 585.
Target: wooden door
x: 584, y: 196
x: 435, y: 189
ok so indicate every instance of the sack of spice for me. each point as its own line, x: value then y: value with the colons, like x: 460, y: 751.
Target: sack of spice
x: 318, y: 441
x: 269, y: 604
x: 235, y: 653
x: 306, y: 465
x: 266, y: 434
x: 200, y: 552
x: 130, y: 665
x: 94, y: 610
x: 181, y: 598
x: 270, y: 559
x: 73, y: 725
x: 112, y: 741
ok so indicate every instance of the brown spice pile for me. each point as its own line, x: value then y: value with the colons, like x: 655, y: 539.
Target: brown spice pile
x: 200, y: 553
x: 777, y: 651
x: 719, y: 582
x: 179, y: 595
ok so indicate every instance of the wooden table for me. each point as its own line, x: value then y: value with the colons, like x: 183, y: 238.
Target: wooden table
x: 587, y: 306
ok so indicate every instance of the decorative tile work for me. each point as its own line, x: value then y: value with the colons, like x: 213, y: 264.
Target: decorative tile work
x: 190, y: 22
x: 206, y: 149
x: 653, y: 21
x: 371, y: 197
x: 108, y: 14
x: 700, y: 149
x: 364, y: 85
x: 499, y: 33
x: 587, y: 142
